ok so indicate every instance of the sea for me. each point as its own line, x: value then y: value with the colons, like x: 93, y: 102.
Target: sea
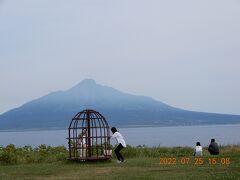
x: 184, y: 136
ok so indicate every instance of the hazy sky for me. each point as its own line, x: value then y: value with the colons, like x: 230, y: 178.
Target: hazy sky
x: 185, y: 53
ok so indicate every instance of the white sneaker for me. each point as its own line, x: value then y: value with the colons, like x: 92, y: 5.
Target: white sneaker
x: 119, y: 161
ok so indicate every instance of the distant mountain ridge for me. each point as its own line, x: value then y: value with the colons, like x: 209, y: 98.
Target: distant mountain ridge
x: 56, y: 109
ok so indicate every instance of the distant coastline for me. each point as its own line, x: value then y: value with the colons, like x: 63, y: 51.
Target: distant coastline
x: 120, y: 126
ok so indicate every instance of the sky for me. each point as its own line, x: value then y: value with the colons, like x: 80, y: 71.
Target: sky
x: 184, y: 53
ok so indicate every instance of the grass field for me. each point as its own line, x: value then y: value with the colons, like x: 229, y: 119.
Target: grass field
x: 145, y: 163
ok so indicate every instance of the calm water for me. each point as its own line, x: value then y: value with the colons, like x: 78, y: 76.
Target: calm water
x: 150, y: 136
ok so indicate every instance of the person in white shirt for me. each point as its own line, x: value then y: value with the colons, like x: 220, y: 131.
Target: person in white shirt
x: 81, y: 143
x: 198, y: 149
x: 121, y: 144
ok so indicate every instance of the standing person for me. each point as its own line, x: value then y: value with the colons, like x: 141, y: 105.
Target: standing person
x: 198, y: 149
x: 121, y: 144
x: 82, y: 143
x: 213, y: 148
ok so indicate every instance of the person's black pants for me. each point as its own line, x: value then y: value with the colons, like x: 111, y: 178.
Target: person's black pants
x: 117, y: 152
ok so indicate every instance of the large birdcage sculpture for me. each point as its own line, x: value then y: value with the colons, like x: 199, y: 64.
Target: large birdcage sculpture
x: 89, y: 137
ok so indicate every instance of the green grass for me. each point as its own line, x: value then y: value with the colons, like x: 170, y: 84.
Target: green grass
x: 143, y: 163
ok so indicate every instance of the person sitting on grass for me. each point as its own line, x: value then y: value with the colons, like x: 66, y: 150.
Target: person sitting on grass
x: 213, y: 148
x: 198, y: 149
x: 121, y: 144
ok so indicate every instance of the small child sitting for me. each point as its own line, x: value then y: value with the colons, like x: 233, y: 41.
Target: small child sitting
x: 198, y: 149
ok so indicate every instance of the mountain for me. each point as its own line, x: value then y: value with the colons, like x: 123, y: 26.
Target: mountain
x: 56, y: 110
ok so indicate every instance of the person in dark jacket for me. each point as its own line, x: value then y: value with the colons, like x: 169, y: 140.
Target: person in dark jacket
x: 213, y: 148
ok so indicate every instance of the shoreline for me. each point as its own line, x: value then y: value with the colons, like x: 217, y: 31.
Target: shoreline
x: 120, y: 127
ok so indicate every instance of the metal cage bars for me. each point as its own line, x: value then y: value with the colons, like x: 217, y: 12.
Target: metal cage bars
x: 95, y: 143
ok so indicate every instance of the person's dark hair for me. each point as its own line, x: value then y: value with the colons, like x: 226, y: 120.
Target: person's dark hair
x: 113, y: 129
x: 198, y: 144
x: 212, y: 140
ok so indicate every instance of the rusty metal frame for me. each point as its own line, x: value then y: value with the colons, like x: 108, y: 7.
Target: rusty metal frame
x: 97, y: 138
